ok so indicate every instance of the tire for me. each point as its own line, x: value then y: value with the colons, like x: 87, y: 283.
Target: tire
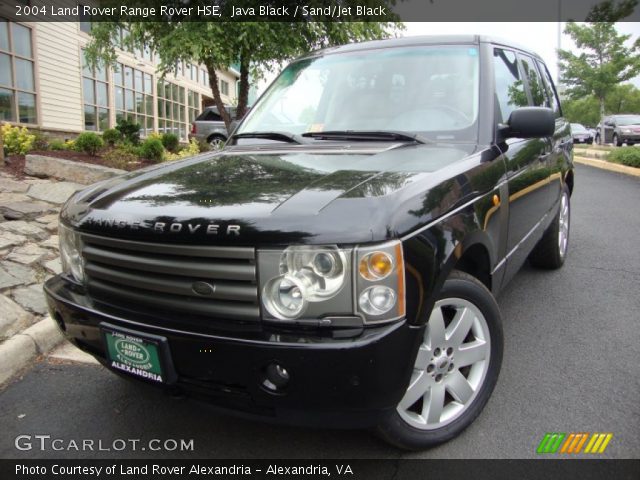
x: 630, y: 144
x: 463, y: 301
x: 216, y: 142
x: 616, y: 140
x: 551, y: 251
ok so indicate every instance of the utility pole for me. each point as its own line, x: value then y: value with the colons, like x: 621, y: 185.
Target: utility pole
x: 559, y: 40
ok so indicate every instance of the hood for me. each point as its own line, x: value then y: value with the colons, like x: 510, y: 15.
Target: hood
x: 296, y: 194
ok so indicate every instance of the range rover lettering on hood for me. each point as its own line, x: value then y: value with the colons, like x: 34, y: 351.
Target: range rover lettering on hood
x: 167, y: 227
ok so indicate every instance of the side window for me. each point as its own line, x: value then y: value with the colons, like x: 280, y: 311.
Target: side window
x: 535, y: 82
x: 510, y: 92
x: 554, y: 103
x: 212, y: 116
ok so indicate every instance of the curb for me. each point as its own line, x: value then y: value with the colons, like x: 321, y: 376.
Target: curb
x: 604, y: 165
x: 19, y: 350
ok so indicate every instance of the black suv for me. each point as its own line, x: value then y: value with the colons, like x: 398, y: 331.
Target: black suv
x: 619, y: 129
x: 336, y: 263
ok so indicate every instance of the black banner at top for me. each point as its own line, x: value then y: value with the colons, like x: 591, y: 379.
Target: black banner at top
x: 301, y: 10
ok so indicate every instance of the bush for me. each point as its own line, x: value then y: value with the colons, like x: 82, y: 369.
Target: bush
x: 629, y: 156
x: 57, y: 144
x: 189, y: 151
x: 119, y: 158
x: 152, y: 149
x: 170, y: 142
x: 17, y: 140
x: 129, y: 130
x: 131, y: 149
x: 40, y: 141
x: 89, y: 142
x: 111, y: 136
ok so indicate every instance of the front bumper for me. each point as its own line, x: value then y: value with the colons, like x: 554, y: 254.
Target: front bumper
x: 350, y: 382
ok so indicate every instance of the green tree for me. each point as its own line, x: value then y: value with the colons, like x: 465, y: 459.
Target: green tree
x: 257, y: 47
x: 604, y: 61
x: 623, y: 99
x: 585, y: 111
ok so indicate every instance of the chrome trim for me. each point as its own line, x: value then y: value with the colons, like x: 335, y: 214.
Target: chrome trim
x: 517, y: 245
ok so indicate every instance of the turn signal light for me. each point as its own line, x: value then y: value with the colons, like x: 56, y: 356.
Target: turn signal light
x: 376, y: 266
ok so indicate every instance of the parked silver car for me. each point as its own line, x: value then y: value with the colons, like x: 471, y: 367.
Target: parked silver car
x: 581, y: 134
x: 210, y: 128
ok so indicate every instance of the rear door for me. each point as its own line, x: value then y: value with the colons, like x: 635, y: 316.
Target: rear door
x: 561, y: 142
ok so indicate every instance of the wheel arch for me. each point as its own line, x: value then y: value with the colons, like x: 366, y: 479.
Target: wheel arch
x: 474, y: 254
x: 216, y: 135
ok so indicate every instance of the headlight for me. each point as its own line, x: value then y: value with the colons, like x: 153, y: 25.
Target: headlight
x: 626, y: 130
x: 305, y: 276
x: 313, y: 282
x: 70, y: 256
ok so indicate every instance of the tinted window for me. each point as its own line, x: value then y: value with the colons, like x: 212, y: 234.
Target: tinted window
x: 509, y: 88
x: 209, y: 116
x: 552, y: 98
x: 535, y: 82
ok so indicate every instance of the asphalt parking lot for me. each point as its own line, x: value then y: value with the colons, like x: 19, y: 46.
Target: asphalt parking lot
x: 571, y: 364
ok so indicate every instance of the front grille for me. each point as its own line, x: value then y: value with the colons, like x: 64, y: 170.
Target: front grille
x: 161, y: 277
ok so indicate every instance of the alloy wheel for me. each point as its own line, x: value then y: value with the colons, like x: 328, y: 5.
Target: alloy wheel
x: 450, y: 367
x: 216, y: 143
x: 563, y: 228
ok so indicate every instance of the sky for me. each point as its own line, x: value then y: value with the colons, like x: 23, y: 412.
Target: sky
x: 540, y: 37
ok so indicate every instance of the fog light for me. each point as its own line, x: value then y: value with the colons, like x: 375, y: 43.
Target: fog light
x: 377, y: 300
x: 277, y: 377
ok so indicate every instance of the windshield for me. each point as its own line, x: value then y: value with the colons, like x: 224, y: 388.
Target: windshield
x: 427, y: 90
x: 630, y: 120
x: 576, y: 127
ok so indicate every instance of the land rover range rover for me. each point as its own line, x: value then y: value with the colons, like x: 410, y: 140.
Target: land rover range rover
x: 336, y: 263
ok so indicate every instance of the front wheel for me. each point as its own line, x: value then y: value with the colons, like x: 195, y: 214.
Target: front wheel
x: 455, y: 370
x: 616, y: 141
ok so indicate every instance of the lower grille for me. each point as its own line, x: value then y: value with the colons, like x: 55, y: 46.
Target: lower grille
x: 166, y: 277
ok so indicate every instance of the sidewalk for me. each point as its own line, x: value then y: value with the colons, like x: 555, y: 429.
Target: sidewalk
x: 29, y: 210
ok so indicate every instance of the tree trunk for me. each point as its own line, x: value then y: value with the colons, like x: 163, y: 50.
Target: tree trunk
x: 217, y: 99
x: 243, y: 90
x: 602, y: 139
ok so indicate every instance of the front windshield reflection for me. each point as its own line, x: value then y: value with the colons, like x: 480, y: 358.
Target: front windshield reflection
x: 427, y: 89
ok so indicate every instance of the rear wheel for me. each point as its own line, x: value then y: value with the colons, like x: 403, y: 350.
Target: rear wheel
x: 551, y: 250
x: 216, y: 142
x: 455, y: 370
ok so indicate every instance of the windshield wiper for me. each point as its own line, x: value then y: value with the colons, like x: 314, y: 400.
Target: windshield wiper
x: 363, y: 135
x: 281, y: 136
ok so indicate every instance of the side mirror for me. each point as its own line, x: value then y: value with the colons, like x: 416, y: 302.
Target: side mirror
x: 531, y: 122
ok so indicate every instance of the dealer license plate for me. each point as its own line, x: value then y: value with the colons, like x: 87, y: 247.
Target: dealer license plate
x: 135, y: 354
